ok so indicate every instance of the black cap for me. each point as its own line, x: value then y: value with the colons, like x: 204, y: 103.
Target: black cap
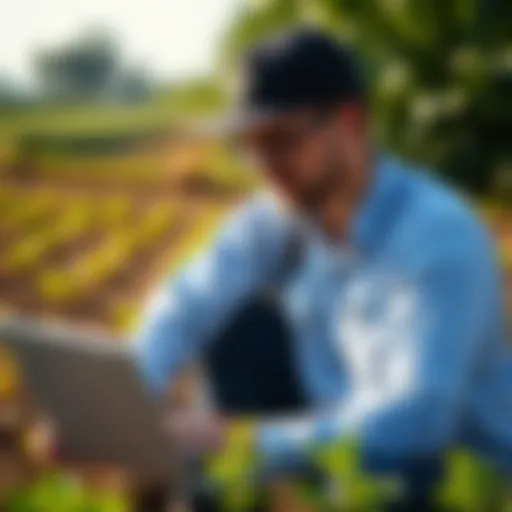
x: 304, y: 67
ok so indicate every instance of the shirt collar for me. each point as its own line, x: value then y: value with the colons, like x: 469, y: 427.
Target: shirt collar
x: 371, y: 217
x: 379, y: 202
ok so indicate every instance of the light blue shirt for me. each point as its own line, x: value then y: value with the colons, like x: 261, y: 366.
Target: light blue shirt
x: 400, y: 333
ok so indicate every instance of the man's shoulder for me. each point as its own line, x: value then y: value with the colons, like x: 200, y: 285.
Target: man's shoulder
x: 259, y: 214
x: 437, y: 206
x: 261, y: 205
x: 437, y: 221
x: 262, y: 223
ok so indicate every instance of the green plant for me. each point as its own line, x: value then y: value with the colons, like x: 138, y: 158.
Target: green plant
x: 55, y: 493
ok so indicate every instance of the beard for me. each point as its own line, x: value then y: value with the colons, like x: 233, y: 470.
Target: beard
x: 331, y: 180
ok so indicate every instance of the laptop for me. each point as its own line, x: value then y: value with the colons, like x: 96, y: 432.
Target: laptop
x: 91, y: 390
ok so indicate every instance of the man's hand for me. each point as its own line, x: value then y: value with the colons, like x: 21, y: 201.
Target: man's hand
x: 227, y: 449
x: 193, y: 433
x: 40, y: 443
x: 196, y: 432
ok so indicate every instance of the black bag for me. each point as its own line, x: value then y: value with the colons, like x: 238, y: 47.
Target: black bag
x: 250, y: 365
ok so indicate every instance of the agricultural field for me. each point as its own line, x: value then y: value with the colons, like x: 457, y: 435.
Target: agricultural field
x: 85, y: 237
x: 89, y: 256
x: 83, y: 240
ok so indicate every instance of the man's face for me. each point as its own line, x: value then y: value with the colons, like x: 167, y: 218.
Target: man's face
x: 303, y: 154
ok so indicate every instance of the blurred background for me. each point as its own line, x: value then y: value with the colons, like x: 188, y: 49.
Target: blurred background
x: 101, y: 194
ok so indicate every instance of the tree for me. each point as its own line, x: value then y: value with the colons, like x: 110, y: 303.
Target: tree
x: 439, y: 73
x: 84, y: 67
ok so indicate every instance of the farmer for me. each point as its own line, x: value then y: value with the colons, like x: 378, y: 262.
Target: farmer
x: 389, y: 325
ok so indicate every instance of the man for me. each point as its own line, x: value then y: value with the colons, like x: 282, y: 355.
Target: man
x: 395, y: 303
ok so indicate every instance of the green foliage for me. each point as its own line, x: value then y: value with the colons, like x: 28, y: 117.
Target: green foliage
x: 232, y: 472
x: 193, y: 96
x: 351, y: 488
x: 84, y: 120
x: 61, y: 494
x: 89, y: 66
x: 439, y: 74
x: 471, y: 485
x: 36, y: 144
x: 256, y: 22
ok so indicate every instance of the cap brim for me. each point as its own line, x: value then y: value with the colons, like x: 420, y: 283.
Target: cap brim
x: 238, y: 123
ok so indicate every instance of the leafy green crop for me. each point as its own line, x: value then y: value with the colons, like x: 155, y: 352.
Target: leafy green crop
x: 60, y: 494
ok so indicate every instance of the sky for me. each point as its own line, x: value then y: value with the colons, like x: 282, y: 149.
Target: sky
x: 170, y: 38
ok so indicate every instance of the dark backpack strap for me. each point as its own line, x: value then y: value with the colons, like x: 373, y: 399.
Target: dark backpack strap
x: 251, y: 363
x: 293, y: 255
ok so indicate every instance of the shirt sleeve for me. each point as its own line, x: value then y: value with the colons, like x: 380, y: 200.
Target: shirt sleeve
x: 189, y: 309
x: 431, y: 354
